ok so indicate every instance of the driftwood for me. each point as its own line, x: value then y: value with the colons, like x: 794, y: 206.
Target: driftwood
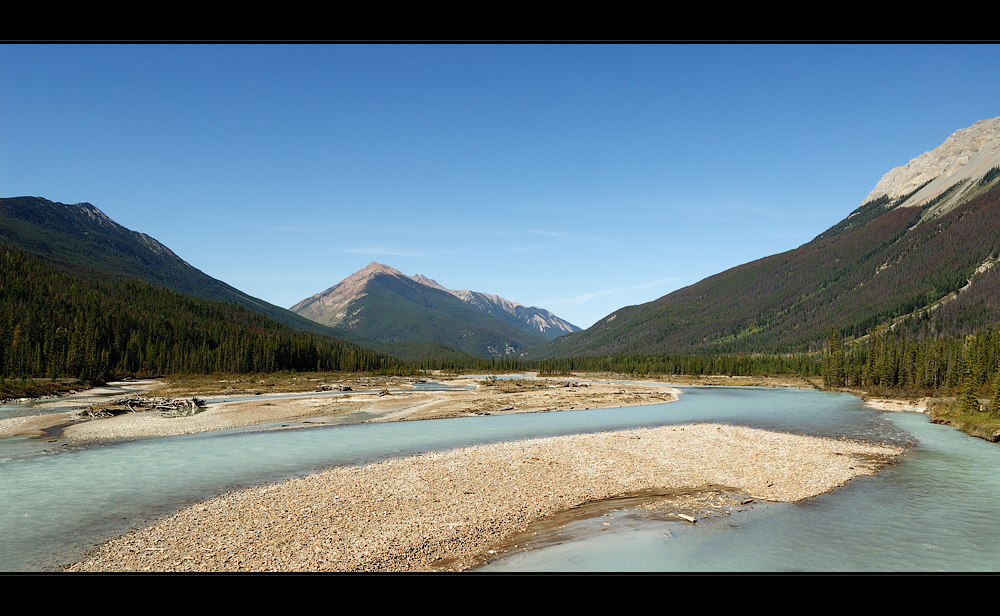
x: 167, y: 407
x: 335, y: 387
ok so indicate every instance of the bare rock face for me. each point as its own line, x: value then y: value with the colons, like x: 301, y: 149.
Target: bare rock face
x: 337, y: 305
x: 331, y: 306
x: 957, y: 164
x: 534, y: 319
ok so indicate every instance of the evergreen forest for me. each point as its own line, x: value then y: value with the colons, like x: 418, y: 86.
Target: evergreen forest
x: 93, y: 326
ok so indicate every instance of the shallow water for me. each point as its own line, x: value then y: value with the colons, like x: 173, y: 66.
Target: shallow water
x: 55, y: 506
x: 934, y: 511
x: 60, y: 404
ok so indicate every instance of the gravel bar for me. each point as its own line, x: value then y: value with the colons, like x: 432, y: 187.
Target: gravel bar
x: 446, y: 511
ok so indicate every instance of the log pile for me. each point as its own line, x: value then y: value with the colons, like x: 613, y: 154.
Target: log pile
x: 167, y: 407
x: 335, y: 387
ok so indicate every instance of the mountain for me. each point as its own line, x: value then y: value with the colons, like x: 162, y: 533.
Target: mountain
x: 84, y: 323
x: 385, y: 305
x: 921, y: 249
x: 533, y: 319
x: 956, y: 167
x: 80, y: 234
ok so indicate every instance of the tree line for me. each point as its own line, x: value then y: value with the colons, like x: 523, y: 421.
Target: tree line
x: 893, y: 358
x: 55, y: 325
x: 747, y: 364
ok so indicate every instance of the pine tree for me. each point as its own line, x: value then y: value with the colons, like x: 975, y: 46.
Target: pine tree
x: 970, y: 390
x: 995, y: 398
x: 833, y: 369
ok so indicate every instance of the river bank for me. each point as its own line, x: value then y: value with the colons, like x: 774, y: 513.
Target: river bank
x: 491, y: 495
x: 453, y: 511
x: 372, y: 399
x: 361, y: 398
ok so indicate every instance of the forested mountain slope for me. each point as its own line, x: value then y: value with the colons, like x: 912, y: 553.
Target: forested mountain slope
x: 92, y: 326
x: 82, y: 234
x: 531, y: 318
x: 382, y: 304
x: 900, y: 253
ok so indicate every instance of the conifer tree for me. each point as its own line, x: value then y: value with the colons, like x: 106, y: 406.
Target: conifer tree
x: 970, y: 391
x: 995, y: 398
x: 833, y: 370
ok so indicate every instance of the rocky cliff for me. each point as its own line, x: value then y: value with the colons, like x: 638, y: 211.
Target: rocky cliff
x: 950, y: 173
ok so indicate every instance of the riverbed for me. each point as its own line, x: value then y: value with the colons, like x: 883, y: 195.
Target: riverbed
x: 56, y: 507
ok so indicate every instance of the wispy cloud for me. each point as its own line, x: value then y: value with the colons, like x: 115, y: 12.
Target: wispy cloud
x: 582, y: 298
x: 649, y: 285
x: 558, y: 234
x: 569, y: 237
x: 385, y: 252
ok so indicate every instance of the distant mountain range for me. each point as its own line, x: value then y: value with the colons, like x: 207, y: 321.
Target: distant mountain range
x: 533, y: 319
x: 382, y: 304
x: 81, y: 241
x: 921, y: 249
x: 920, y: 252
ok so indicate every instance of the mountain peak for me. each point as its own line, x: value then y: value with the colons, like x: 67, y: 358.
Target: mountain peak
x: 341, y: 305
x: 95, y: 214
x: 882, y: 265
x: 335, y: 299
x: 537, y: 320
x: 956, y: 165
x: 377, y: 268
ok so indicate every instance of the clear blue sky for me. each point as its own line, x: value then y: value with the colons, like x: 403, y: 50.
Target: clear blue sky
x: 576, y: 178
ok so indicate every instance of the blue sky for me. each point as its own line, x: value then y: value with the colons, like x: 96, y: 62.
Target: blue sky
x: 577, y: 178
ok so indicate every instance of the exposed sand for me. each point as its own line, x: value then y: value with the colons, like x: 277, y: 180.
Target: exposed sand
x: 33, y: 425
x: 918, y: 405
x: 528, y: 395
x: 453, y: 510
x: 46, y: 419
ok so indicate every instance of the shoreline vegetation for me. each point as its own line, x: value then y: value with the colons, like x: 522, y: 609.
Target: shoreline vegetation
x: 904, y: 360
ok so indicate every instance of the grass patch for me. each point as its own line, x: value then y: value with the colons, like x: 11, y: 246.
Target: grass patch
x: 203, y: 385
x: 37, y: 387
x: 982, y: 424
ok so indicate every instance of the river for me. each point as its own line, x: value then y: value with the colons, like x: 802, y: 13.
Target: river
x: 932, y: 511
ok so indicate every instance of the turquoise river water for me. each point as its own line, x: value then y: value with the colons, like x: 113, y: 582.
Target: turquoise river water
x: 932, y: 511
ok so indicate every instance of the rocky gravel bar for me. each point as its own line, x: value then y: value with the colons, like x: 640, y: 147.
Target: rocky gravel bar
x: 450, y: 511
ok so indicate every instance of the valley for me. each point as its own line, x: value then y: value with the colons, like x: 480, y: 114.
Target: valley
x: 898, y: 301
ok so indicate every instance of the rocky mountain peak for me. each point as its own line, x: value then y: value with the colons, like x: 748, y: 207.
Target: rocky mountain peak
x: 95, y: 214
x: 377, y: 268
x: 335, y: 299
x: 957, y: 165
x: 334, y: 306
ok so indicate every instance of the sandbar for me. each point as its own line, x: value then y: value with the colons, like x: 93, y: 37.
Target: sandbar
x: 898, y: 405
x: 455, y: 510
x: 317, y: 408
